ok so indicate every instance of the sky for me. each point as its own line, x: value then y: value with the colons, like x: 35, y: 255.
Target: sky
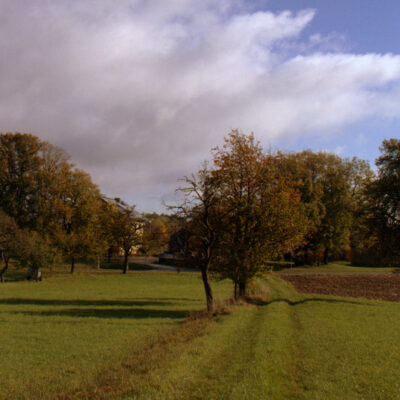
x: 138, y: 91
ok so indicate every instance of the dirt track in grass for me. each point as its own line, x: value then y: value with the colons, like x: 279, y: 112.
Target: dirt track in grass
x: 371, y: 286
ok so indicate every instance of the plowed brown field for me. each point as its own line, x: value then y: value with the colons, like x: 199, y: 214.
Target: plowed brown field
x: 371, y: 286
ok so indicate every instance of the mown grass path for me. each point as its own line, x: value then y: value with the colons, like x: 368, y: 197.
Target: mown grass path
x: 251, y: 353
x: 291, y: 346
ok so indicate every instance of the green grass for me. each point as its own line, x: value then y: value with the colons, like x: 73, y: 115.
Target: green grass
x: 338, y: 266
x: 58, y: 333
x: 127, y: 337
x: 291, y: 346
x: 346, y: 348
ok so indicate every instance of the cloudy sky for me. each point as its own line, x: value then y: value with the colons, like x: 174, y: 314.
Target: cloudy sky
x: 138, y: 91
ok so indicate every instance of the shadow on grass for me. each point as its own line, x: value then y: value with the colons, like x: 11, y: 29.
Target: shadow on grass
x: 77, y: 302
x: 132, y: 313
x: 15, y: 276
x: 174, y: 299
x: 311, y: 300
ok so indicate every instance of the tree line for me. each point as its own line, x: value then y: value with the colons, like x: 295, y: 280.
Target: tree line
x: 242, y: 211
x: 51, y: 211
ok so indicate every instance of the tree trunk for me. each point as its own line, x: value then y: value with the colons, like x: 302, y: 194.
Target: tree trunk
x: 326, y: 255
x: 242, y: 289
x: 124, y: 271
x: 37, y: 275
x: 72, y: 264
x: 4, y: 269
x: 98, y: 262
x: 235, y: 291
x: 306, y: 258
x: 207, y: 288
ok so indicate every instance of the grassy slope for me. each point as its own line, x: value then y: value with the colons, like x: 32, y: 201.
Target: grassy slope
x: 338, y: 266
x: 293, y: 346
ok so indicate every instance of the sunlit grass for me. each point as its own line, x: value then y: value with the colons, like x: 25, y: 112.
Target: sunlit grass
x: 338, y: 266
x: 59, y: 332
x: 290, y: 346
x: 95, y: 336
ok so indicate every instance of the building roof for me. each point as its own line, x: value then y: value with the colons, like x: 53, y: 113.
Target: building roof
x: 122, y: 206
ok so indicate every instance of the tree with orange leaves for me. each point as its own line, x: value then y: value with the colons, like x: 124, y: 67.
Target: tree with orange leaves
x: 242, y: 211
x: 263, y: 212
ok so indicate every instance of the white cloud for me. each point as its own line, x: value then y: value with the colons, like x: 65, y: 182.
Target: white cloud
x: 138, y: 92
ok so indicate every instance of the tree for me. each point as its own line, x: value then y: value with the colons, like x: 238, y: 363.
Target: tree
x: 262, y: 209
x: 325, y: 182
x: 20, y: 164
x: 10, y: 242
x: 305, y: 170
x: 383, y: 208
x: 43, y: 192
x: 155, y: 236
x: 241, y: 212
x: 360, y: 238
x: 202, y: 212
x: 28, y: 248
x: 125, y: 230
x: 77, y: 210
x: 37, y: 253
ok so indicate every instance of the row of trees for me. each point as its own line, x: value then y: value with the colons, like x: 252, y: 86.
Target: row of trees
x: 51, y: 210
x: 248, y: 208
x: 242, y: 211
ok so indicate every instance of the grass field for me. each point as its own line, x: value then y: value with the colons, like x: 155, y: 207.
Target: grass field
x: 127, y: 337
x: 338, y: 266
x: 60, y: 332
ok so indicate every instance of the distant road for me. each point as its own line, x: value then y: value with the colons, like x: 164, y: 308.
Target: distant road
x: 152, y: 262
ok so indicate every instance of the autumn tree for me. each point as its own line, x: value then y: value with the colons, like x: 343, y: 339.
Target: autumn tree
x: 11, y: 242
x: 77, y: 208
x: 241, y: 212
x: 262, y: 213
x: 37, y: 252
x: 43, y: 192
x: 20, y: 166
x: 327, y: 184
x: 125, y: 230
x: 155, y: 235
